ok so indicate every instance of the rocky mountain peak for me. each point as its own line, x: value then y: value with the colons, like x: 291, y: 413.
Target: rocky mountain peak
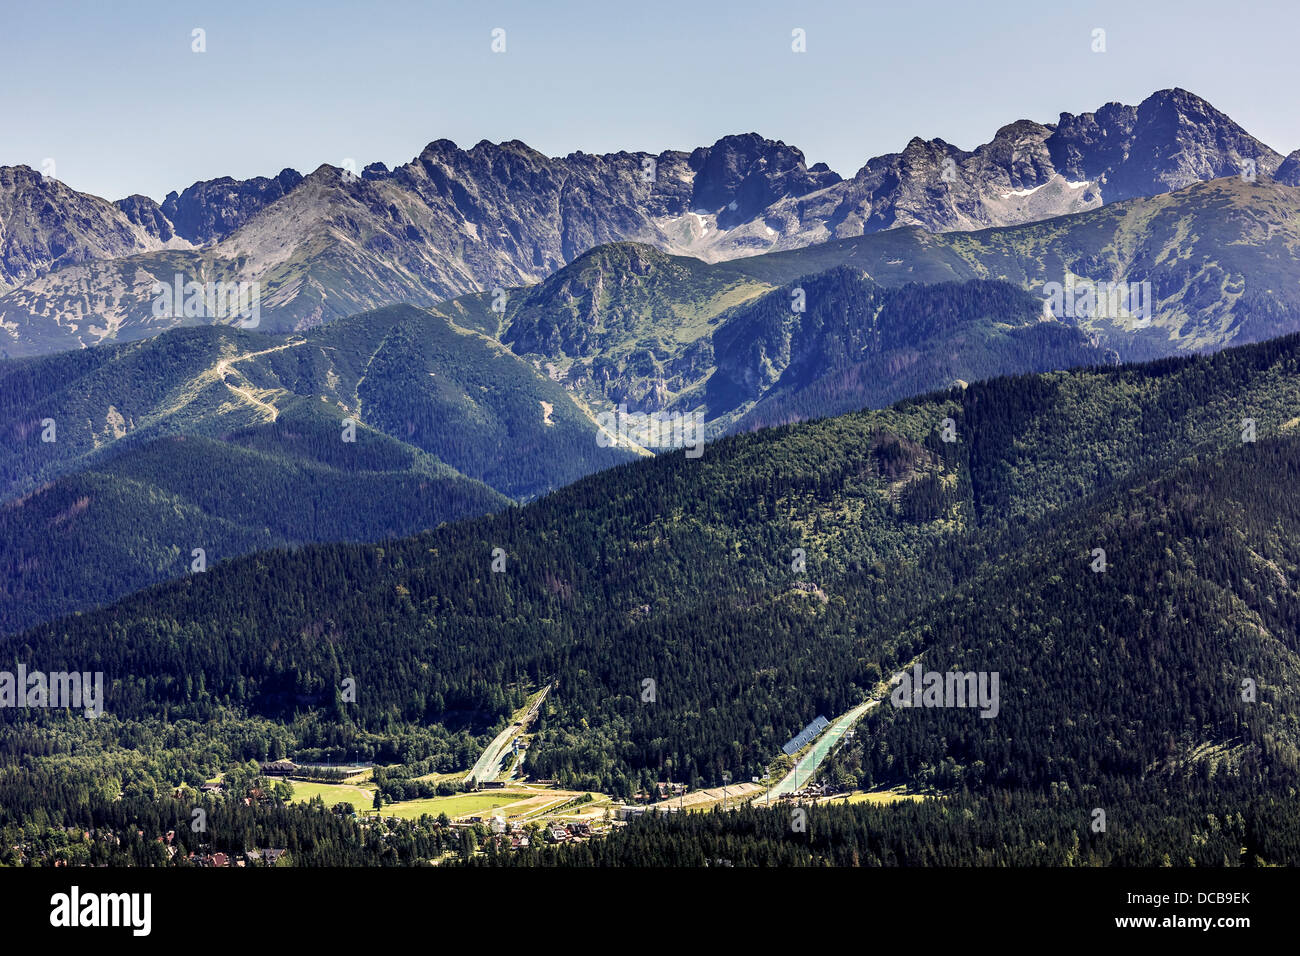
x: 1171, y: 139
x: 1289, y: 171
x: 210, y: 210
x: 742, y: 174
x: 148, y: 215
x: 455, y: 220
x: 46, y: 225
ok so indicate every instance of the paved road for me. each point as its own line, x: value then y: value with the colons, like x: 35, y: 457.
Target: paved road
x: 807, y: 766
x: 488, y: 766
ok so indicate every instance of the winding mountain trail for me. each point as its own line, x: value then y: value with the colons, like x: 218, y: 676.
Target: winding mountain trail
x: 225, y: 367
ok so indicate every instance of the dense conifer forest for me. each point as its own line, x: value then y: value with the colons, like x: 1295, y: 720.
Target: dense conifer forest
x: 786, y: 573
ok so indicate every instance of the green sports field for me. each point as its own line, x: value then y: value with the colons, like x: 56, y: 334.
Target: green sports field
x: 361, y: 798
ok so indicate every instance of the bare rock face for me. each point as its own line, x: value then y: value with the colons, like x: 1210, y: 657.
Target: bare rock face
x: 454, y: 221
x: 1288, y: 172
x: 148, y: 215
x: 45, y: 225
x: 1031, y: 171
x: 209, y: 211
x: 739, y: 176
x: 1169, y: 141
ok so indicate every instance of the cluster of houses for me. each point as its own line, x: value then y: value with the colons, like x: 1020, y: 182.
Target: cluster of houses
x: 516, y: 837
x: 811, y: 792
x: 203, y: 857
x: 250, y: 858
x: 568, y: 832
x: 27, y: 854
x: 100, y: 834
x: 206, y: 858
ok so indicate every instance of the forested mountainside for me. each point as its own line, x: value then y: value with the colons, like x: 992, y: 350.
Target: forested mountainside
x: 859, y: 345
x: 119, y: 462
x: 143, y: 516
x: 513, y: 390
x: 976, y: 554
x: 463, y: 407
x: 1122, y: 690
x: 444, y: 390
x: 629, y: 326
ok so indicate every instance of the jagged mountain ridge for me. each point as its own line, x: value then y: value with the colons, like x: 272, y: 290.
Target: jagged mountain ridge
x: 627, y: 323
x: 453, y: 221
x: 45, y: 225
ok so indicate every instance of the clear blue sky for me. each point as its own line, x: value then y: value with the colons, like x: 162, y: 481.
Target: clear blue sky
x: 113, y: 93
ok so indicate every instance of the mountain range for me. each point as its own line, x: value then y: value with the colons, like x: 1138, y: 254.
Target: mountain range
x: 501, y: 396
x: 811, y: 331
x: 76, y: 271
x: 447, y: 421
x: 935, y: 438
